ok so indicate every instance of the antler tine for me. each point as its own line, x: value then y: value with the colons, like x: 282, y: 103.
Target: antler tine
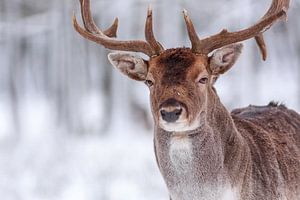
x: 150, y: 38
x: 195, y: 41
x: 87, y: 18
x: 93, y: 33
x: 112, y: 30
x: 89, y: 23
x: 260, y: 41
x: 277, y: 10
x: 275, y: 7
x: 135, y: 45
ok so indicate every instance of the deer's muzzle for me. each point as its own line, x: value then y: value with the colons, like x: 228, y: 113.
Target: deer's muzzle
x: 171, y: 110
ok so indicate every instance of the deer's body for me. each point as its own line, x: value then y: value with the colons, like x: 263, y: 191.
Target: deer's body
x: 252, y: 153
x: 203, y: 151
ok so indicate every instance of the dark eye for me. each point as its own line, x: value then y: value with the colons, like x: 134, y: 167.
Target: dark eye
x: 148, y: 83
x: 203, y: 80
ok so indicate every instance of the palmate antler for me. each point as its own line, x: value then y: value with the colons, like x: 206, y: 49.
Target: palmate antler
x: 106, y: 38
x: 277, y: 10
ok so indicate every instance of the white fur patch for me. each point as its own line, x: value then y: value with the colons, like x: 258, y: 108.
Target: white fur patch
x: 205, y: 192
x: 182, y: 158
x: 181, y: 153
x: 222, y: 193
x: 230, y: 194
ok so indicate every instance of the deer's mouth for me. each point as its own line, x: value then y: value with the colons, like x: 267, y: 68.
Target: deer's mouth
x: 183, y: 125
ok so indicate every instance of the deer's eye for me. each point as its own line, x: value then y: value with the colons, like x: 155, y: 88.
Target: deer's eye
x: 149, y: 83
x: 203, y: 80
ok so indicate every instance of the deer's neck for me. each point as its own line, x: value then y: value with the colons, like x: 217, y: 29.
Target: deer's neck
x: 205, y: 163
x: 235, y: 151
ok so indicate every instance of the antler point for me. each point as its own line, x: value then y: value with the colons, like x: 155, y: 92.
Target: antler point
x: 224, y: 31
x: 285, y: 10
x: 74, y: 20
x: 116, y: 21
x: 185, y: 12
x: 185, y: 15
x: 149, y: 10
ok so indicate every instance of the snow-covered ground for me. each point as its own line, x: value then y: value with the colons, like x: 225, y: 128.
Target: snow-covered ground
x: 47, y: 163
x: 76, y: 168
x: 80, y: 169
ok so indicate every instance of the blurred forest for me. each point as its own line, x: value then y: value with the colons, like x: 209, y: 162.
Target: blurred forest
x: 72, y: 127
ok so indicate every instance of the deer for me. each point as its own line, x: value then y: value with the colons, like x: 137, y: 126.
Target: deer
x: 204, y: 151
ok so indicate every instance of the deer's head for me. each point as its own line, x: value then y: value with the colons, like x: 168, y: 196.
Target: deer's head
x: 180, y: 80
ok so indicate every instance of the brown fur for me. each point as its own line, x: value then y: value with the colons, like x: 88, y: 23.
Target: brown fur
x: 272, y: 134
x: 256, y: 150
x: 259, y: 146
x: 176, y: 79
x: 176, y: 63
x: 252, y: 152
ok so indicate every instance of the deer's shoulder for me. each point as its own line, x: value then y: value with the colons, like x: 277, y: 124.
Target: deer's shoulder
x: 273, y: 126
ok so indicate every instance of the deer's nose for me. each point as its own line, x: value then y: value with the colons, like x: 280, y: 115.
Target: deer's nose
x: 171, y: 109
x: 171, y: 116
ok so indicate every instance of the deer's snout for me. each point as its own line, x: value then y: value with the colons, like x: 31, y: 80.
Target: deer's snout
x: 171, y: 110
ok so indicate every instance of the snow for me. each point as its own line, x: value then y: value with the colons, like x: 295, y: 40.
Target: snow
x: 81, y: 168
x: 46, y: 163
x: 73, y: 128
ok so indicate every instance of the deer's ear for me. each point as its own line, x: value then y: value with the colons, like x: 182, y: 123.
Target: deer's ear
x: 223, y: 59
x: 131, y: 65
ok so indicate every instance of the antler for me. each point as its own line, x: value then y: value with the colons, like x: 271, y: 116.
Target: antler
x: 105, y: 38
x: 89, y: 23
x: 277, y: 10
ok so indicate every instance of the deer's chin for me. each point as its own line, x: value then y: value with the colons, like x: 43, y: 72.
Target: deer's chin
x: 180, y: 126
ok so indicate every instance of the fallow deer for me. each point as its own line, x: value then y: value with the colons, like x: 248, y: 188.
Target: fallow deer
x: 202, y: 150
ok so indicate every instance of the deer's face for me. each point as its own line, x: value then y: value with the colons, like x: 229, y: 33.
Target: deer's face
x: 178, y: 81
